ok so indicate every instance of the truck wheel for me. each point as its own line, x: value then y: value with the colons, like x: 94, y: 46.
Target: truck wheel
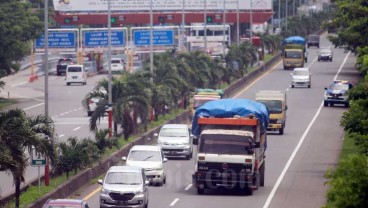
x: 248, y: 191
x: 200, y: 191
x: 281, y: 131
x: 346, y: 105
x: 262, y: 174
x: 256, y: 181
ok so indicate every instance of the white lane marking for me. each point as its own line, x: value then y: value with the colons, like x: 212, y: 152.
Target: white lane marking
x: 76, y: 128
x: 61, y: 135
x: 278, y: 182
x: 174, y: 202
x: 188, y: 187
x: 22, y: 83
x: 34, y: 106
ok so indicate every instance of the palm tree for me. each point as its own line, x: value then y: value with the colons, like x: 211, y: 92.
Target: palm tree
x: 19, y: 133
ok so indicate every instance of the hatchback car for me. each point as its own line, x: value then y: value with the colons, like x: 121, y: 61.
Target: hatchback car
x: 301, y: 77
x: 336, y: 93
x: 325, y: 54
x: 65, y: 203
x: 124, y: 186
x: 151, y: 159
x: 175, y: 140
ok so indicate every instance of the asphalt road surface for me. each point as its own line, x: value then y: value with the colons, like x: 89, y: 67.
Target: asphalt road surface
x: 295, y: 162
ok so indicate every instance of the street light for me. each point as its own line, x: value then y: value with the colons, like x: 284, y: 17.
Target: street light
x: 46, y: 25
x: 237, y: 23
x: 182, y: 25
x: 251, y: 22
x: 151, y: 40
x: 109, y: 68
x: 205, y: 26
x: 223, y: 29
x: 279, y: 15
x: 286, y: 15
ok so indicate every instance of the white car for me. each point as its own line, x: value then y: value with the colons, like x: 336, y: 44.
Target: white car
x: 151, y: 159
x: 175, y: 140
x: 93, y: 102
x: 301, y: 77
x: 117, y: 65
x: 76, y: 74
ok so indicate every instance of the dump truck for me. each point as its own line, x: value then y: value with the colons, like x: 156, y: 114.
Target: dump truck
x: 232, y: 140
x: 294, y: 52
x: 275, y: 101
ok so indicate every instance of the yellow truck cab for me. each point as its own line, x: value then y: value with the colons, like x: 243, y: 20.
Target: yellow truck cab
x: 203, y: 96
x: 275, y: 102
x: 294, y: 52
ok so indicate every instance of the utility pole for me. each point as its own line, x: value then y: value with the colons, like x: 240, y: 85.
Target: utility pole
x: 182, y: 25
x: 224, y: 30
x: 46, y: 65
x: 151, y: 40
x: 237, y: 24
x: 286, y: 14
x: 205, y: 26
x: 251, y: 22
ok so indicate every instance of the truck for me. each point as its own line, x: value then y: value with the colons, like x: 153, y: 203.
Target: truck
x: 202, y: 96
x: 275, y: 101
x: 294, y: 52
x: 232, y: 140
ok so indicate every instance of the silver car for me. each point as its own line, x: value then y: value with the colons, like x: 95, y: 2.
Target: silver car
x: 175, y: 140
x: 123, y: 187
x: 301, y: 77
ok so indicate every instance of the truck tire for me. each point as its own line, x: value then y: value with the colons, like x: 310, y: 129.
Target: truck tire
x: 200, y: 191
x: 281, y: 131
x: 262, y: 174
x: 256, y: 181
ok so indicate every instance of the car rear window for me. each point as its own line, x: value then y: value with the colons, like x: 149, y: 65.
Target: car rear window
x: 313, y: 38
x: 65, y: 62
x: 115, y: 61
x: 74, y: 69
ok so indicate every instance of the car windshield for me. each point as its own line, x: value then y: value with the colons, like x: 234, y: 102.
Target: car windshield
x: 74, y: 69
x: 174, y: 132
x: 224, y: 144
x: 114, y: 61
x: 293, y: 54
x: 142, y: 155
x: 326, y: 51
x: 273, y: 106
x: 126, y: 178
x: 137, y: 64
x: 296, y: 72
x: 339, y: 87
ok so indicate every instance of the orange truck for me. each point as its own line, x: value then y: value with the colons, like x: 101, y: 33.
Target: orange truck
x: 231, y: 138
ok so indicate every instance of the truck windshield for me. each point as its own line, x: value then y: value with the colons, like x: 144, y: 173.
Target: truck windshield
x: 224, y: 144
x: 293, y: 54
x: 273, y: 106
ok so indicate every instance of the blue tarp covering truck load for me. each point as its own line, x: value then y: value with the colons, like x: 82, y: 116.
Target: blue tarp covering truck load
x: 231, y: 139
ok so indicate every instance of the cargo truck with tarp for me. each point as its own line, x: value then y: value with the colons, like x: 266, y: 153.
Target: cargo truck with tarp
x: 294, y: 52
x: 231, y: 139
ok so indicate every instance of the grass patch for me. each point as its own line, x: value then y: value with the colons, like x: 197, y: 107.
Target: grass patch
x: 6, y: 102
x: 348, y: 147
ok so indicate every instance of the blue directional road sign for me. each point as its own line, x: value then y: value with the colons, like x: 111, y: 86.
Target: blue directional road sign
x: 160, y: 37
x: 100, y: 39
x: 58, y: 40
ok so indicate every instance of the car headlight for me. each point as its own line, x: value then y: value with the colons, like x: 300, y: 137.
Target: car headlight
x: 105, y: 191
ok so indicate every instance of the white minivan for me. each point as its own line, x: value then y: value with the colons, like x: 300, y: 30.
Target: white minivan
x: 76, y: 74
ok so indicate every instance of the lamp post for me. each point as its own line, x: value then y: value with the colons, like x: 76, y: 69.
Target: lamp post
x: 286, y: 14
x: 46, y: 25
x: 279, y: 15
x: 109, y: 68
x: 251, y: 22
x: 151, y: 40
x: 205, y: 26
x: 237, y: 24
x: 223, y: 29
x: 182, y: 25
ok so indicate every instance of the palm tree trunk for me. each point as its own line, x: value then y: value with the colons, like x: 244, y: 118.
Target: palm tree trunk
x: 17, y: 192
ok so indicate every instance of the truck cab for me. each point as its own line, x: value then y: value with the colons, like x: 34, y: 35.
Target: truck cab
x: 275, y: 102
x: 294, y: 52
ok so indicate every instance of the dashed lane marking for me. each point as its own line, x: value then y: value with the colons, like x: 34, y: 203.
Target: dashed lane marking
x: 188, y: 187
x: 174, y: 202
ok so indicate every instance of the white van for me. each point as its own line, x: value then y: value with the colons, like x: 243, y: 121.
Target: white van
x: 76, y: 74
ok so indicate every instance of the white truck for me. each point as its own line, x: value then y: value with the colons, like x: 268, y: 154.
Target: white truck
x: 231, y: 139
x: 275, y: 102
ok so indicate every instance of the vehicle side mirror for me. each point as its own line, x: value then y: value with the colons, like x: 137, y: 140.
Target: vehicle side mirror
x: 256, y: 145
x: 99, y: 181
x: 123, y: 158
x: 155, y: 134
x: 165, y: 159
x: 325, y: 88
x: 146, y: 183
x: 195, y: 140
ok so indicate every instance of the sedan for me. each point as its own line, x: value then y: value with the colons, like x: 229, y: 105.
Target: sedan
x: 301, y: 77
x: 325, y: 54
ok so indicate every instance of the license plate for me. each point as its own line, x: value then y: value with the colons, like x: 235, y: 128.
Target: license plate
x: 74, y: 77
x: 123, y: 202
